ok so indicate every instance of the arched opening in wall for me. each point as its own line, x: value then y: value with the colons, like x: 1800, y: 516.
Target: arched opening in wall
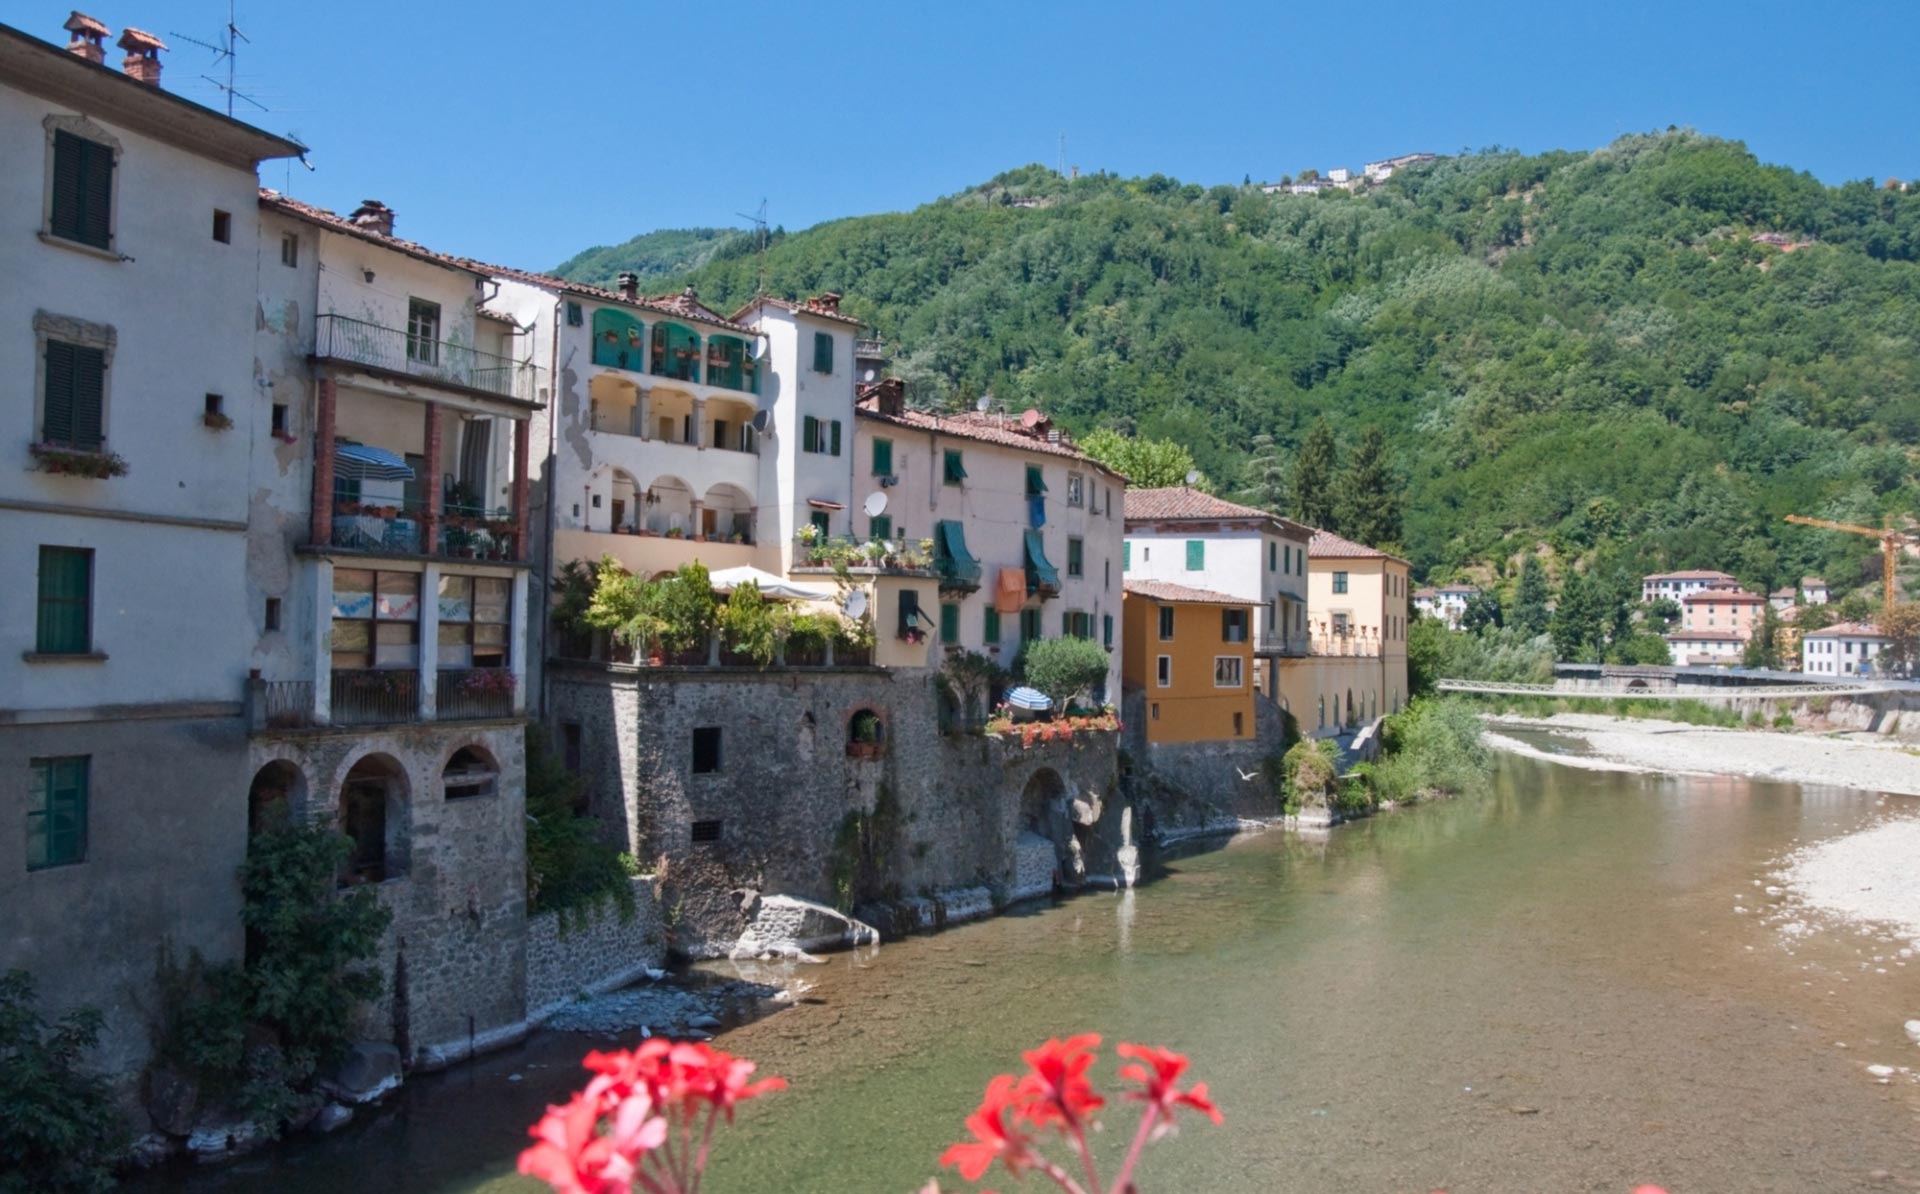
x: 373, y: 814
x: 1044, y: 794
x: 1350, y: 720
x: 726, y: 515
x: 469, y: 773
x: 626, y: 500
x: 669, y: 502
x: 275, y: 797
x: 613, y: 405
x: 866, y: 735
x: 1639, y: 684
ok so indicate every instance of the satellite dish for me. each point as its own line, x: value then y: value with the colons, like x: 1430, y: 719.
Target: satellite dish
x: 760, y: 347
x: 857, y: 604
x: 760, y: 420
x: 1192, y: 476
x: 985, y: 401
x: 876, y: 504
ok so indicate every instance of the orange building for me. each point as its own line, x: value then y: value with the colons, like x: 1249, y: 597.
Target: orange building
x: 1190, y: 651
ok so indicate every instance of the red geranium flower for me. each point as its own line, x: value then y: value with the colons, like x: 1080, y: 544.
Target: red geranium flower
x: 992, y: 1136
x: 1161, y: 1082
x: 574, y: 1158
x: 1055, y: 1089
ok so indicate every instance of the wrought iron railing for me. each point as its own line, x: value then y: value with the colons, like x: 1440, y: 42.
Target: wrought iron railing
x: 287, y: 704
x: 476, y: 533
x: 1291, y: 645
x: 389, y: 528
x: 396, y: 350
x: 474, y: 692
x: 962, y: 575
x: 374, y: 696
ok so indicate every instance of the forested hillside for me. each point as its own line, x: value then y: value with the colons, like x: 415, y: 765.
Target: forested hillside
x: 1582, y: 352
x: 652, y: 255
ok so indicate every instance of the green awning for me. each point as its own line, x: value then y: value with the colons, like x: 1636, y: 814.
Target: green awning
x: 1042, y: 577
x: 1036, y: 484
x: 953, y: 543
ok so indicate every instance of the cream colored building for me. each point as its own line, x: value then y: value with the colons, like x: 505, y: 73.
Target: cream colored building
x: 1357, y: 616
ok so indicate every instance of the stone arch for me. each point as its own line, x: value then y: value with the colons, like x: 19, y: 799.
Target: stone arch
x: 866, y: 733
x: 727, y: 513
x: 278, y: 794
x: 470, y: 771
x: 372, y: 809
x: 1633, y: 684
x: 669, y: 502
x: 625, y: 501
x: 1044, y: 795
x: 613, y: 403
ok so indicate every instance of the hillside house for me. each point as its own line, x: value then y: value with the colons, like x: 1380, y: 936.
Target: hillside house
x: 1844, y: 649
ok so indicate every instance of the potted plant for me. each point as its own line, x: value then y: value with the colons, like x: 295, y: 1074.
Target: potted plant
x: 865, y: 742
x: 98, y: 464
x: 216, y: 420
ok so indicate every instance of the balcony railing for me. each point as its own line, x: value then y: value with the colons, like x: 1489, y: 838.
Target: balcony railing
x: 1346, y: 644
x: 389, y: 528
x: 286, y: 704
x: 957, y: 575
x: 395, y: 350
x: 477, y: 692
x: 476, y: 533
x: 375, y: 696
x: 1290, y: 645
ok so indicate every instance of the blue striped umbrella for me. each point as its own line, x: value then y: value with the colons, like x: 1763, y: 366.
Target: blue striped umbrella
x: 1030, y: 699
x: 364, y: 462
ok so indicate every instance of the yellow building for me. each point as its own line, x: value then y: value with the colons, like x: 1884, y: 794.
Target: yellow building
x: 1356, y: 670
x: 1190, y: 651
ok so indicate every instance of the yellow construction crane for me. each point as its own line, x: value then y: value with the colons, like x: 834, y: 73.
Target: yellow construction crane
x: 1891, y: 541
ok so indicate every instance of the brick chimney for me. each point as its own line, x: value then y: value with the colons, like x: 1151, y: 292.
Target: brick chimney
x: 143, y: 55
x: 88, y: 36
x: 373, y: 216
x: 630, y: 287
x: 827, y: 303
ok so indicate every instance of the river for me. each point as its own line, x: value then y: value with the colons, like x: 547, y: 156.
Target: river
x: 1568, y: 983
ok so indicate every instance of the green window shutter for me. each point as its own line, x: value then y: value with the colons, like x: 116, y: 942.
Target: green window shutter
x: 990, y: 629
x: 822, y: 352
x: 1036, y: 483
x: 949, y: 623
x: 883, y: 458
x: 57, y: 812
x: 955, y: 468
x: 809, y: 434
x: 82, y: 190
x: 1076, y: 557
x: 56, y: 421
x: 1126, y: 556
x: 1196, y: 554
x: 880, y: 526
x: 66, y: 598
x: 836, y: 438
x: 1106, y: 631
x: 76, y: 388
x: 1273, y: 556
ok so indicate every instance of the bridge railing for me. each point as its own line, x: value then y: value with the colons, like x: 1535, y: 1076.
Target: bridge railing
x: 1588, y: 688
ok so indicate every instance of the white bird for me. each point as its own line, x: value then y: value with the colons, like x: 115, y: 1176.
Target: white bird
x: 1246, y: 775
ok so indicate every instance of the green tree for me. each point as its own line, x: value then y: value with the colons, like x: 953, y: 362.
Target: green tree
x: 59, y: 1128
x: 1902, y: 625
x: 1266, y: 475
x: 1482, y: 613
x: 1315, y: 469
x: 1063, y: 668
x: 1146, y: 463
x: 1661, y: 614
x: 1530, y: 614
x: 1763, y: 649
x: 1367, y: 496
x: 1579, y: 626
x: 1427, y: 652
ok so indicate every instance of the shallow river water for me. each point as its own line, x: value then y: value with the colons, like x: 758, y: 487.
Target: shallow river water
x: 1570, y: 983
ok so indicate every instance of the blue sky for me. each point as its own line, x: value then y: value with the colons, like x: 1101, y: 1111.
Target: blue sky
x: 523, y: 132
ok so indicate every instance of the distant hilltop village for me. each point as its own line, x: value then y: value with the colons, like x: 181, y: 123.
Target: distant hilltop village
x: 1312, y: 182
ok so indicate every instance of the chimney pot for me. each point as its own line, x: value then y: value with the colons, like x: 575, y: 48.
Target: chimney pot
x: 374, y: 216
x: 630, y: 286
x: 87, y: 37
x: 143, y: 55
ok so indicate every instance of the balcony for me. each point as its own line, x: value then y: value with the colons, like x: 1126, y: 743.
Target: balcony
x: 1346, y: 645
x: 384, y: 528
x: 957, y: 576
x: 1290, y: 646
x: 470, y: 693
x: 398, y: 353
x: 381, y: 697
x: 374, y: 696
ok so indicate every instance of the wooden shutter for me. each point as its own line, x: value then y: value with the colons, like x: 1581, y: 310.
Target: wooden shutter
x: 949, y: 623
x: 82, y: 190
x: 835, y: 451
x: 1106, y: 630
x: 810, y: 434
x: 66, y: 584
x: 1196, y: 554
x: 882, y: 457
x: 822, y: 352
x: 56, y: 422
x: 990, y: 631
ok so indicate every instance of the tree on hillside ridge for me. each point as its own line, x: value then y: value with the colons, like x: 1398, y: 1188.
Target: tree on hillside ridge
x: 1367, y: 496
x: 1146, y: 463
x: 1314, y: 474
x: 1266, y: 475
x: 1530, y: 613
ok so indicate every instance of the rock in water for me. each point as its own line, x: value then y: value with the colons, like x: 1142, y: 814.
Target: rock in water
x: 784, y: 926
x: 369, y: 1069
x: 1913, y: 1031
x: 331, y: 1117
x: 172, y: 1098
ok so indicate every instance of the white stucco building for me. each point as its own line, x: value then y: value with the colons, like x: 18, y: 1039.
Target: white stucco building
x: 1678, y: 586
x: 1844, y: 649
x: 1445, y: 602
x: 1186, y: 537
x: 1722, y: 648
x: 1813, y: 590
x: 128, y: 317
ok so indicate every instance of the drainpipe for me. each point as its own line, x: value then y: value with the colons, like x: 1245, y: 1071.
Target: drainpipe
x: 553, y: 505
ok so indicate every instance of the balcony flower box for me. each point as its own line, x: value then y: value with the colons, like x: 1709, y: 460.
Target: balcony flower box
x: 216, y: 420
x: 865, y: 750
x: 75, y: 462
x: 485, y: 682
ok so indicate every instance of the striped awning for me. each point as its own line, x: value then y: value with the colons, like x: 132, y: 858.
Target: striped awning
x: 363, y: 462
x: 1030, y: 699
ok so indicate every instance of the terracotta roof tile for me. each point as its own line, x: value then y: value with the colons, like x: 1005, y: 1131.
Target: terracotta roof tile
x: 80, y: 22
x: 139, y: 39
x: 1703, y: 636
x: 1693, y: 574
x: 1847, y: 630
x: 1728, y: 596
x: 990, y: 429
x: 1327, y: 545
x: 1160, y: 590
x: 810, y: 307
x: 686, y: 303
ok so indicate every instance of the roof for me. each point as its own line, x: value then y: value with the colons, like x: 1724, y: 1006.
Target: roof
x: 1730, y: 596
x: 602, y: 294
x: 810, y: 307
x: 989, y: 429
x: 1160, y: 590
x: 1704, y: 636
x: 1691, y: 574
x: 1327, y: 545
x: 686, y: 303
x: 55, y: 73
x: 80, y: 22
x: 1789, y: 591
x: 1848, y: 630
x: 334, y: 222
x: 1812, y: 582
x: 1179, y: 503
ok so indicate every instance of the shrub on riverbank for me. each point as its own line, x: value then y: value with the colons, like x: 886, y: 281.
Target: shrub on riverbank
x: 59, y: 1129
x: 1690, y: 712
x: 1507, y: 655
x: 1432, y: 748
x: 571, y: 867
x: 1311, y: 770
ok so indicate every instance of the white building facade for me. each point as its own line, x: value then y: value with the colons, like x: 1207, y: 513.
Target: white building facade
x: 1846, y: 649
x: 1448, y: 603
x: 1678, y: 586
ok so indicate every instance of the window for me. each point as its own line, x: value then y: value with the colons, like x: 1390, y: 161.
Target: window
x: 706, y: 750
x: 469, y: 773
x: 1233, y: 625
x: 1163, y: 671
x: 475, y: 613
x: 1341, y: 626
x: 1156, y: 711
x: 66, y: 601
x: 1273, y: 556
x: 883, y: 458
x: 1227, y: 671
x: 223, y: 226
x: 880, y: 526
x: 278, y: 425
x: 1036, y: 482
x: 1239, y: 724
x: 1029, y: 625
x: 1106, y: 631
x: 822, y: 352
x: 1076, y: 489
x: 809, y: 434
x: 290, y: 250
x: 214, y: 403
x: 954, y: 470
x: 73, y: 409
x: 705, y: 832
x: 1126, y: 555
x: 57, y: 812
x: 272, y: 617
x: 1076, y: 624
x: 835, y: 438
x: 1166, y: 623
x: 423, y: 331
x: 990, y: 628
x: 949, y: 623
x: 576, y: 317
x: 1107, y: 566
x: 819, y: 520
x: 1076, y: 556
x: 82, y: 207
x: 1196, y: 554
x: 820, y: 436
x: 1339, y: 582
x: 376, y: 619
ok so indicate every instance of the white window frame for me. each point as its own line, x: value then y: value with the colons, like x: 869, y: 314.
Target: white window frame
x: 1163, y: 671
x: 1238, y: 671
x: 1076, y: 489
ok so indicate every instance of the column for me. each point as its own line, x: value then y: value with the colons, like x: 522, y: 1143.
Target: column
x: 698, y: 531
x: 430, y: 517
x: 321, y: 531
x: 429, y: 662
x: 700, y: 423
x: 321, y: 672
x: 643, y: 410
x: 522, y: 445
x: 753, y: 526
x: 517, y: 636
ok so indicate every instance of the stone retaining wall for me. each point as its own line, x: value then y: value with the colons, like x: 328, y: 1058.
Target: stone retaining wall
x: 591, y: 952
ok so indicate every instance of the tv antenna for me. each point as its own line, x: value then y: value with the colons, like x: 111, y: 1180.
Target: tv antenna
x: 759, y: 221
x: 226, y: 50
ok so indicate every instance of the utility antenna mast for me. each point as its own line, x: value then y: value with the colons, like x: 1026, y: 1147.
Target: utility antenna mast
x: 227, y: 50
x: 759, y: 221
x: 1063, y: 153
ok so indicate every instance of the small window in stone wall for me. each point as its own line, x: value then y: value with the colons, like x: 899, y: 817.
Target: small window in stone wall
x: 706, y: 831
x: 706, y: 750
x: 469, y: 773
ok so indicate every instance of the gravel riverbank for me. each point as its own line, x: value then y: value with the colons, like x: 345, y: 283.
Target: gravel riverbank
x: 1860, y: 761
